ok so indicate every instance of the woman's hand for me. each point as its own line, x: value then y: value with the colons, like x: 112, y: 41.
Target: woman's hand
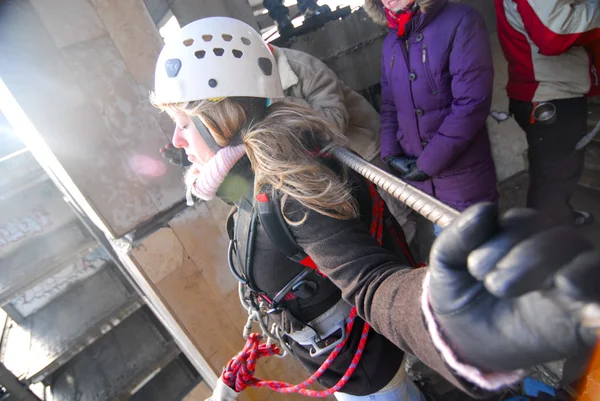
x: 407, y: 168
x: 175, y: 156
x: 505, y: 291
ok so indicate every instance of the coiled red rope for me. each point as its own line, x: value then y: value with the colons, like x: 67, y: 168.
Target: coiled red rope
x: 239, y: 372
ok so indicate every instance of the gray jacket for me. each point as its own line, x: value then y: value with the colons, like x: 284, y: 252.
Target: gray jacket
x: 308, y: 81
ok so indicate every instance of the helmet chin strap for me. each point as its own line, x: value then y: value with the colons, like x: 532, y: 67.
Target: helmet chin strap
x: 205, y: 134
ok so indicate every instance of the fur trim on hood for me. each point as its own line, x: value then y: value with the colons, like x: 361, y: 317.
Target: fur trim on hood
x: 375, y: 9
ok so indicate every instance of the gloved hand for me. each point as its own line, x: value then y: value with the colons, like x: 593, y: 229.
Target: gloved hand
x: 401, y: 164
x: 496, y: 284
x: 415, y: 174
x: 175, y: 156
x: 407, y: 167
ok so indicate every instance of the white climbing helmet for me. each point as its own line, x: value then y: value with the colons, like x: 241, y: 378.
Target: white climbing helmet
x: 214, y: 58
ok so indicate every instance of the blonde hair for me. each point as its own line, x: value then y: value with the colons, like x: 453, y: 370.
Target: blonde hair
x: 284, y: 148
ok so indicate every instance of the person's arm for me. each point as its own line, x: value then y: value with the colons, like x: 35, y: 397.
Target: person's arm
x: 321, y: 90
x: 483, y: 309
x: 386, y: 292
x: 557, y: 25
x: 472, y: 71
x: 389, y: 119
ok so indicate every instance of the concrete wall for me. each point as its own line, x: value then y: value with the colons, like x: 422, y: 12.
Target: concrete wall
x: 82, y: 71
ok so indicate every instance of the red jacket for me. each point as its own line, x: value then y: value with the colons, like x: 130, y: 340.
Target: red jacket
x: 551, y: 47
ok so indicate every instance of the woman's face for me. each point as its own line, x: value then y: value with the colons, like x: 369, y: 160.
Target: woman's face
x: 396, y: 5
x: 187, y: 137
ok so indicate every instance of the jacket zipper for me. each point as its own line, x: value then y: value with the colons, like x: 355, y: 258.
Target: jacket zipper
x: 432, y: 84
x: 595, y: 74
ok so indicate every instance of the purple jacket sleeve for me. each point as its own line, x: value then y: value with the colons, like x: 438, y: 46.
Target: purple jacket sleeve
x: 389, y: 118
x: 472, y: 70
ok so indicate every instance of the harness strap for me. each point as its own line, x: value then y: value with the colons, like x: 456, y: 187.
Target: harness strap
x: 239, y: 373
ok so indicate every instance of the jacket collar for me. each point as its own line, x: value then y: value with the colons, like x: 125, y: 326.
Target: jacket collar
x: 286, y: 73
x: 429, y: 8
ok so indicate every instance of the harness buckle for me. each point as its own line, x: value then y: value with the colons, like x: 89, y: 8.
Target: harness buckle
x: 322, y: 328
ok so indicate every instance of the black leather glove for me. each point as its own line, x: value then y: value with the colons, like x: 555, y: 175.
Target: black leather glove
x: 415, y: 174
x: 407, y: 167
x: 175, y: 156
x: 497, y: 283
x: 400, y: 164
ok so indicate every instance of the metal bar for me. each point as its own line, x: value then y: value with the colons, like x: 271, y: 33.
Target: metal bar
x: 422, y: 203
x: 14, y: 387
x: 438, y: 213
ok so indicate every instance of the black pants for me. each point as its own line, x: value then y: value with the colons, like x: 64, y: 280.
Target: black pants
x: 278, y: 11
x: 554, y: 165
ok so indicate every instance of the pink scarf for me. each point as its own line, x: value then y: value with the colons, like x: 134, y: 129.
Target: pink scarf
x: 204, y: 181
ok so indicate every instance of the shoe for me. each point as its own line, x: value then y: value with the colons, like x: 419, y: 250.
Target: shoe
x: 582, y: 218
x: 285, y: 25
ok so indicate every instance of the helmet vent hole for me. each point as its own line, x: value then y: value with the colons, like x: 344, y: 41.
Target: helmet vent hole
x: 237, y: 53
x: 227, y: 38
x: 218, y: 51
x: 188, y: 42
x: 200, y: 54
x: 265, y: 65
x: 246, y: 41
x: 207, y: 38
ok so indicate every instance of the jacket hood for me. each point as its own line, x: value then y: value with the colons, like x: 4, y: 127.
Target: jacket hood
x: 375, y: 9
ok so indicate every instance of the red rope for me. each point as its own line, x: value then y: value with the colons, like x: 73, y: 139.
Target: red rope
x: 239, y: 372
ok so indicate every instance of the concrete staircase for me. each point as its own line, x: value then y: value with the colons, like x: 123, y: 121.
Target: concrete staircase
x: 591, y: 174
x: 72, y: 327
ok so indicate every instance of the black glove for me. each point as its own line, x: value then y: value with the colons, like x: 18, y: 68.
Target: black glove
x: 175, y: 156
x: 496, y: 285
x: 415, y: 174
x: 401, y: 164
x: 407, y: 167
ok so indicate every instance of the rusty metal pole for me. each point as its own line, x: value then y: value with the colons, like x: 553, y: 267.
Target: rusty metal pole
x: 422, y: 203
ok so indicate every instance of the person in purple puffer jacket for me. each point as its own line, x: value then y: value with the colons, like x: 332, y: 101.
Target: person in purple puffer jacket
x: 436, y: 84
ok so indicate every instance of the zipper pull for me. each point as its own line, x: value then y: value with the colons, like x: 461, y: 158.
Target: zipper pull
x: 424, y: 55
x: 393, y: 58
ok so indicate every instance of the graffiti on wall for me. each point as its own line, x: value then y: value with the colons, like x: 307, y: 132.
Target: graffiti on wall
x: 21, y: 227
x: 36, y: 297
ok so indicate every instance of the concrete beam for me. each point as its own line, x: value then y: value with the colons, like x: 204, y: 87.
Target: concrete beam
x: 187, y: 11
x: 350, y: 47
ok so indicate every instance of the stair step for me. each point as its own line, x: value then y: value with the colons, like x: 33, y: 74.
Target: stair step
x: 55, y: 334
x: 38, y: 210
x: 42, y: 257
x: 18, y: 174
x: 590, y: 179
x: 172, y: 383
x: 116, y: 364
